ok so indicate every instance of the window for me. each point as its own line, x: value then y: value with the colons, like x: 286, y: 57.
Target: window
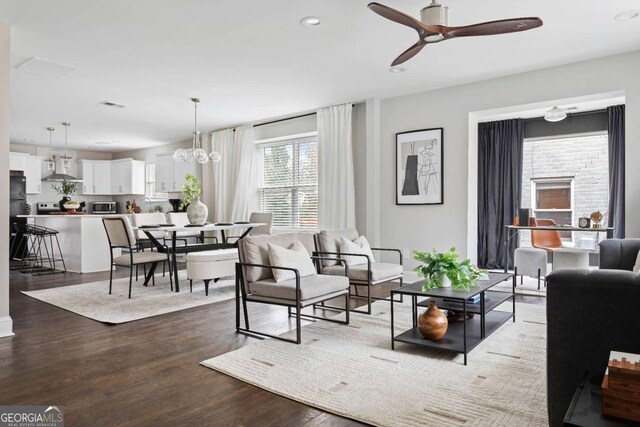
x: 150, y: 183
x: 290, y: 182
x: 552, y: 198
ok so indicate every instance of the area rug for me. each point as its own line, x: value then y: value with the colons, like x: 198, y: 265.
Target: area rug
x: 92, y: 300
x: 351, y: 371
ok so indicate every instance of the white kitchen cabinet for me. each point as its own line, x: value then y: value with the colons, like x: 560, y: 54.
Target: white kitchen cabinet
x: 102, y: 177
x: 33, y: 173
x: 85, y: 173
x: 18, y: 161
x: 127, y: 177
x: 170, y: 176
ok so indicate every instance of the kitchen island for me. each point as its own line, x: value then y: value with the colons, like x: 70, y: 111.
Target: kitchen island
x: 83, y: 240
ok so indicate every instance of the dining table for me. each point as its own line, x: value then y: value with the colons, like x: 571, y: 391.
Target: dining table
x: 171, y: 231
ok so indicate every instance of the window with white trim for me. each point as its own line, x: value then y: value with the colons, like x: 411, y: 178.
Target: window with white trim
x: 552, y: 198
x: 289, y: 188
x: 150, y: 183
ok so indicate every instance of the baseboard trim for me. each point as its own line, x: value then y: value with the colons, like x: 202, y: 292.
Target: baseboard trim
x: 6, y: 327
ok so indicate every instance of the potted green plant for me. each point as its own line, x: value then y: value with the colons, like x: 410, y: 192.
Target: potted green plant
x: 442, y: 269
x: 66, y: 189
x: 197, y: 212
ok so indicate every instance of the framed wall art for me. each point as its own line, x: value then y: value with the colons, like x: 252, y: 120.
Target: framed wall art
x: 419, y: 167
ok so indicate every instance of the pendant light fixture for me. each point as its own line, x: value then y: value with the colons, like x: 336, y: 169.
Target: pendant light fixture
x: 555, y: 115
x: 198, y: 153
x: 51, y: 161
x: 66, y: 159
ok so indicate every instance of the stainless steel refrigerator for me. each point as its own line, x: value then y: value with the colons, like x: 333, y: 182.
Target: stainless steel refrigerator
x: 17, y: 206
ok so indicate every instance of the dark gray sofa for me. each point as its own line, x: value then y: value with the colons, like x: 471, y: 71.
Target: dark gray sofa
x: 589, y: 313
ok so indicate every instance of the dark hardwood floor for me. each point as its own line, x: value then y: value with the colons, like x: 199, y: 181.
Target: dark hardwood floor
x: 145, y: 372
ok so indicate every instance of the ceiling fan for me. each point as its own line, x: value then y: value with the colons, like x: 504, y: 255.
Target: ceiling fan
x: 433, y: 26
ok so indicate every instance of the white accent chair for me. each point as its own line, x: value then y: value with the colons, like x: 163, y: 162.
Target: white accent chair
x: 255, y: 283
x: 210, y: 265
x: 530, y: 262
x: 121, y: 235
x: 367, y: 274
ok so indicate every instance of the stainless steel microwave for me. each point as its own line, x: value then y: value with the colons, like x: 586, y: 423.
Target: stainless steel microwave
x: 104, y: 207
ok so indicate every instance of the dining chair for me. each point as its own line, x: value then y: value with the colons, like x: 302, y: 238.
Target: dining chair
x: 181, y: 219
x: 545, y: 239
x: 121, y: 236
x: 265, y: 218
x: 142, y: 240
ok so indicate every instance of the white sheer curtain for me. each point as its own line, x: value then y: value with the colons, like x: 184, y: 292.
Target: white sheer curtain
x: 227, y: 184
x: 336, y: 194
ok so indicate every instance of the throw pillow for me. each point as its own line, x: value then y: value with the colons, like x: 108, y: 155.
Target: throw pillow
x: 296, y: 257
x: 636, y: 268
x: 358, y: 246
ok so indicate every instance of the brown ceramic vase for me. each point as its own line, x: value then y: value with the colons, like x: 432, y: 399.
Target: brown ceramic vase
x: 432, y: 323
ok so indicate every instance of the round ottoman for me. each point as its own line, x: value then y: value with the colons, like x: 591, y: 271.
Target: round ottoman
x: 211, y: 265
x: 570, y: 258
x: 530, y: 262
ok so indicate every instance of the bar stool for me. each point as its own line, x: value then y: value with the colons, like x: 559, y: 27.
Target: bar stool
x: 41, y: 258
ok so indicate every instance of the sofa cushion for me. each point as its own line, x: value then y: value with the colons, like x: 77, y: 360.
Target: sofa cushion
x: 380, y: 271
x: 255, y: 251
x: 358, y: 246
x: 328, y: 241
x: 310, y: 287
x: 295, y: 257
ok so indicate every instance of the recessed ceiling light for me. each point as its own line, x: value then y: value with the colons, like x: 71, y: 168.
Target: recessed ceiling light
x: 27, y: 140
x: 310, y: 21
x: 396, y: 69
x: 627, y: 16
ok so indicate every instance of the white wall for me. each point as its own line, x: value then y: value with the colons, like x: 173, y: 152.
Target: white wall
x: 444, y: 226
x: 6, y: 326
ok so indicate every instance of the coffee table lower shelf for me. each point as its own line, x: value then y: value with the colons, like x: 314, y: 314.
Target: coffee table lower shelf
x: 454, y: 338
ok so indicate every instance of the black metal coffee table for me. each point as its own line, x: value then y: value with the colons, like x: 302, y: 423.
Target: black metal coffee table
x: 464, y: 336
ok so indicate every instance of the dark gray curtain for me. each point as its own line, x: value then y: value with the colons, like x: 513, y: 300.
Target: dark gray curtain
x: 615, y: 214
x: 499, y: 187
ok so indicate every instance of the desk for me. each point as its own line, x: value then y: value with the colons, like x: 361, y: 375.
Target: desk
x: 512, y: 231
x: 174, y: 250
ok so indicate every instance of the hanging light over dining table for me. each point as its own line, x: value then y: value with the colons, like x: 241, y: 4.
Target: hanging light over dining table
x: 198, y: 153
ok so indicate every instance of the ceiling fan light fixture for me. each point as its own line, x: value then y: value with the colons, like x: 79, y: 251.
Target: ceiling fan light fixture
x: 435, y: 14
x: 396, y: 69
x: 310, y: 21
x: 627, y: 16
x: 434, y: 38
x: 555, y: 115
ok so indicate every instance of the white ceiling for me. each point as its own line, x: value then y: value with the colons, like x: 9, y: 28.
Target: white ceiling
x: 251, y: 60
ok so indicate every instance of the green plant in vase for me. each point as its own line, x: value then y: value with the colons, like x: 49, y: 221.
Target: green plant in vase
x: 438, y: 268
x: 197, y: 212
x: 66, y: 189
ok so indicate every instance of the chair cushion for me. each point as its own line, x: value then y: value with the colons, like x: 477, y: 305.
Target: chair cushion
x: 328, y: 241
x: 310, y: 287
x: 295, y: 257
x: 358, y: 246
x: 216, y: 255
x: 140, y: 258
x: 256, y: 251
x: 380, y: 271
x: 636, y: 268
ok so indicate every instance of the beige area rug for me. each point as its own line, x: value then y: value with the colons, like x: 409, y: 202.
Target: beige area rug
x: 528, y: 286
x: 351, y: 371
x: 92, y: 300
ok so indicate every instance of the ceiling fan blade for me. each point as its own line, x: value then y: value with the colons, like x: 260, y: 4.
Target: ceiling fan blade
x: 409, y: 53
x: 402, y: 18
x: 503, y: 26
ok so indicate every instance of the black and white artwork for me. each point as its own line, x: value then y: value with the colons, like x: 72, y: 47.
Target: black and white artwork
x: 419, y: 163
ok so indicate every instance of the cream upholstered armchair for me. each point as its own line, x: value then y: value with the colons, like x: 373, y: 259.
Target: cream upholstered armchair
x: 363, y: 269
x: 259, y: 279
